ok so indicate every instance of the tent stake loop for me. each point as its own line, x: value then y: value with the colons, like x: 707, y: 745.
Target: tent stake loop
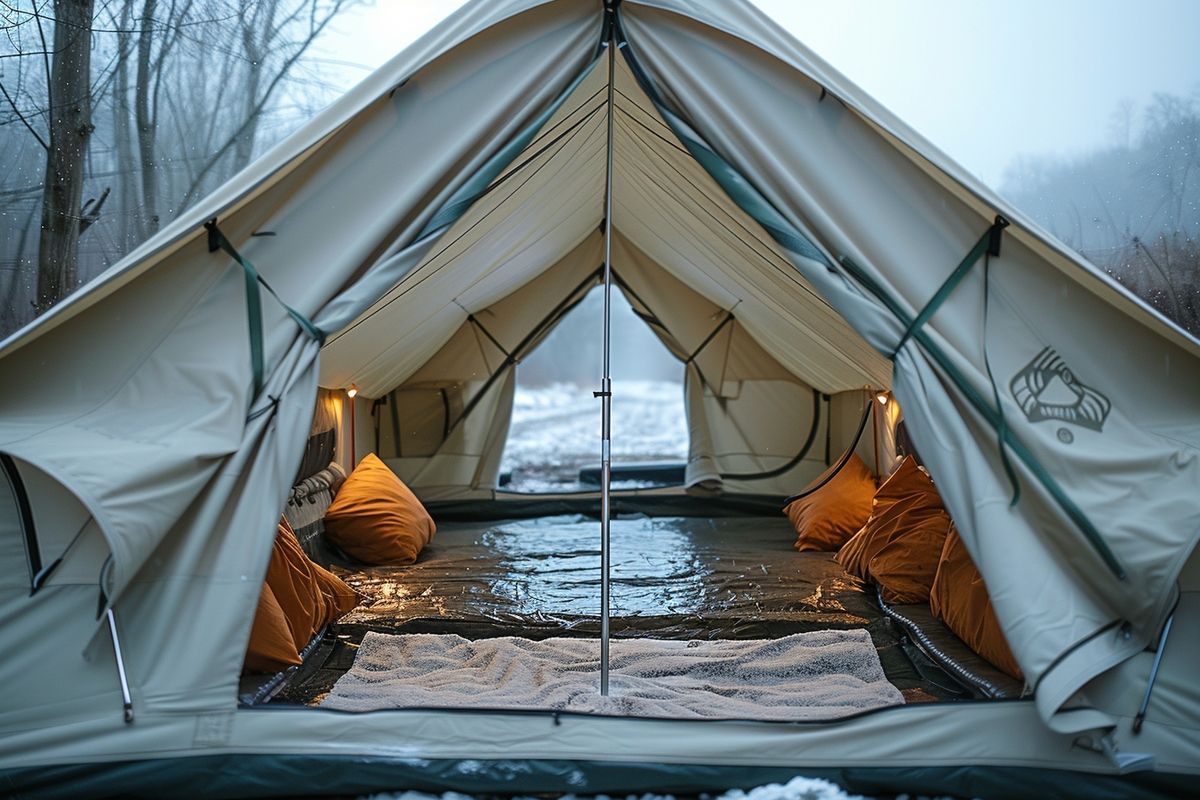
x: 116, y: 642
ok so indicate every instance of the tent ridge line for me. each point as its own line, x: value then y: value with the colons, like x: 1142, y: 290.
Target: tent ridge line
x: 749, y: 198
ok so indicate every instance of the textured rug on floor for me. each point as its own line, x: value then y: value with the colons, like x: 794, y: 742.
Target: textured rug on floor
x: 816, y: 675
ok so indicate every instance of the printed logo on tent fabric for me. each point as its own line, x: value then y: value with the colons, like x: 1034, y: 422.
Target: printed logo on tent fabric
x: 1047, y: 390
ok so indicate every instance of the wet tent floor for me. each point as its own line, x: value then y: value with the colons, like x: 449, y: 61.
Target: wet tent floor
x: 675, y: 578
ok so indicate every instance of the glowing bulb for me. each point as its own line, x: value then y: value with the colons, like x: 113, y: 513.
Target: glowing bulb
x: 882, y: 397
x: 352, y: 391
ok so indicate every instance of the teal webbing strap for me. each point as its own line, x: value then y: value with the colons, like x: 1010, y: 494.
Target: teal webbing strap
x: 994, y: 418
x: 989, y: 242
x: 217, y: 241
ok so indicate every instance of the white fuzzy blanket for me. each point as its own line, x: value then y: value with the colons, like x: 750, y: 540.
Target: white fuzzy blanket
x: 816, y: 675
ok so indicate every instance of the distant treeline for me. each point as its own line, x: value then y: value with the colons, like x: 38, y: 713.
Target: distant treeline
x: 1132, y: 208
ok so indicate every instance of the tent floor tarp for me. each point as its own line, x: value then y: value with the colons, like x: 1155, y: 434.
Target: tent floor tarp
x: 536, y: 578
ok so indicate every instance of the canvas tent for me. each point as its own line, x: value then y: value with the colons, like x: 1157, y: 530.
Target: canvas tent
x: 153, y: 433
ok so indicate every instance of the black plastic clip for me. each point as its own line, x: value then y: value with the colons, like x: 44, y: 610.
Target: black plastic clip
x: 601, y: 394
x: 994, y: 238
x: 272, y: 407
x: 214, y: 235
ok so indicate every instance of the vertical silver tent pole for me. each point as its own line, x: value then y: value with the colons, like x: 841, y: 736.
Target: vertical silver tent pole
x: 606, y: 381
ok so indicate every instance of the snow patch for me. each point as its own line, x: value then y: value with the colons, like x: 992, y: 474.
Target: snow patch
x: 798, y: 788
x: 556, y: 430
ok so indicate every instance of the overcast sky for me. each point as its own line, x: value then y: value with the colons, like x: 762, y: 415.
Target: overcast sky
x: 986, y: 81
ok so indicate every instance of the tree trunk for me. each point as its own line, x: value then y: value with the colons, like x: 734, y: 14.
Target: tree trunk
x: 70, y: 124
x: 123, y: 136
x: 145, y: 122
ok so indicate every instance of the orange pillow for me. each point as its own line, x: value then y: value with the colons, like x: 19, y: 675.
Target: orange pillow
x: 906, y: 565
x: 310, y: 597
x: 295, y: 586
x: 376, y: 519
x: 901, y: 543
x: 339, y: 597
x: 271, y: 648
x: 960, y: 599
x: 826, y: 517
x: 906, y: 480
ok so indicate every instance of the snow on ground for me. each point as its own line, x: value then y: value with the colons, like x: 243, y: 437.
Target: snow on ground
x: 556, y: 430
x: 798, y: 788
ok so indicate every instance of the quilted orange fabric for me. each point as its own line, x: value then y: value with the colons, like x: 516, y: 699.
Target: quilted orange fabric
x: 959, y: 598
x: 376, y: 519
x: 824, y: 519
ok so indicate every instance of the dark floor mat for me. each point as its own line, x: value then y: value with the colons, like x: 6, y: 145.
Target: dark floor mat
x: 673, y: 578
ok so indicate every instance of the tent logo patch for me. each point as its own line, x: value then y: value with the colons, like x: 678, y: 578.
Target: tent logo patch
x: 1047, y: 390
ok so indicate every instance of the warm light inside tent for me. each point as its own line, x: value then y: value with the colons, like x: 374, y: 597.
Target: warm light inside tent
x: 882, y: 397
x: 352, y: 391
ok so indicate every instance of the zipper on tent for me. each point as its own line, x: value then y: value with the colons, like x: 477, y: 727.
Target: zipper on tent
x: 794, y: 460
x: 39, y: 580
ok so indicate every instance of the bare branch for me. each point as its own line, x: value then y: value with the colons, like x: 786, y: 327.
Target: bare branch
x: 21, y: 117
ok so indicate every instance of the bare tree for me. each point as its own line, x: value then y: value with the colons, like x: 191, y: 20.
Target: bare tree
x: 155, y: 102
x: 70, y: 126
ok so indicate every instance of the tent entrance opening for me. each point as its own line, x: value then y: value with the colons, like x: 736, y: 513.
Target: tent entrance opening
x: 552, y: 444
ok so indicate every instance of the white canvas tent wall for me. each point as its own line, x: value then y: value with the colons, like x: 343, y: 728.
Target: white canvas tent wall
x: 511, y: 266
x: 156, y: 470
